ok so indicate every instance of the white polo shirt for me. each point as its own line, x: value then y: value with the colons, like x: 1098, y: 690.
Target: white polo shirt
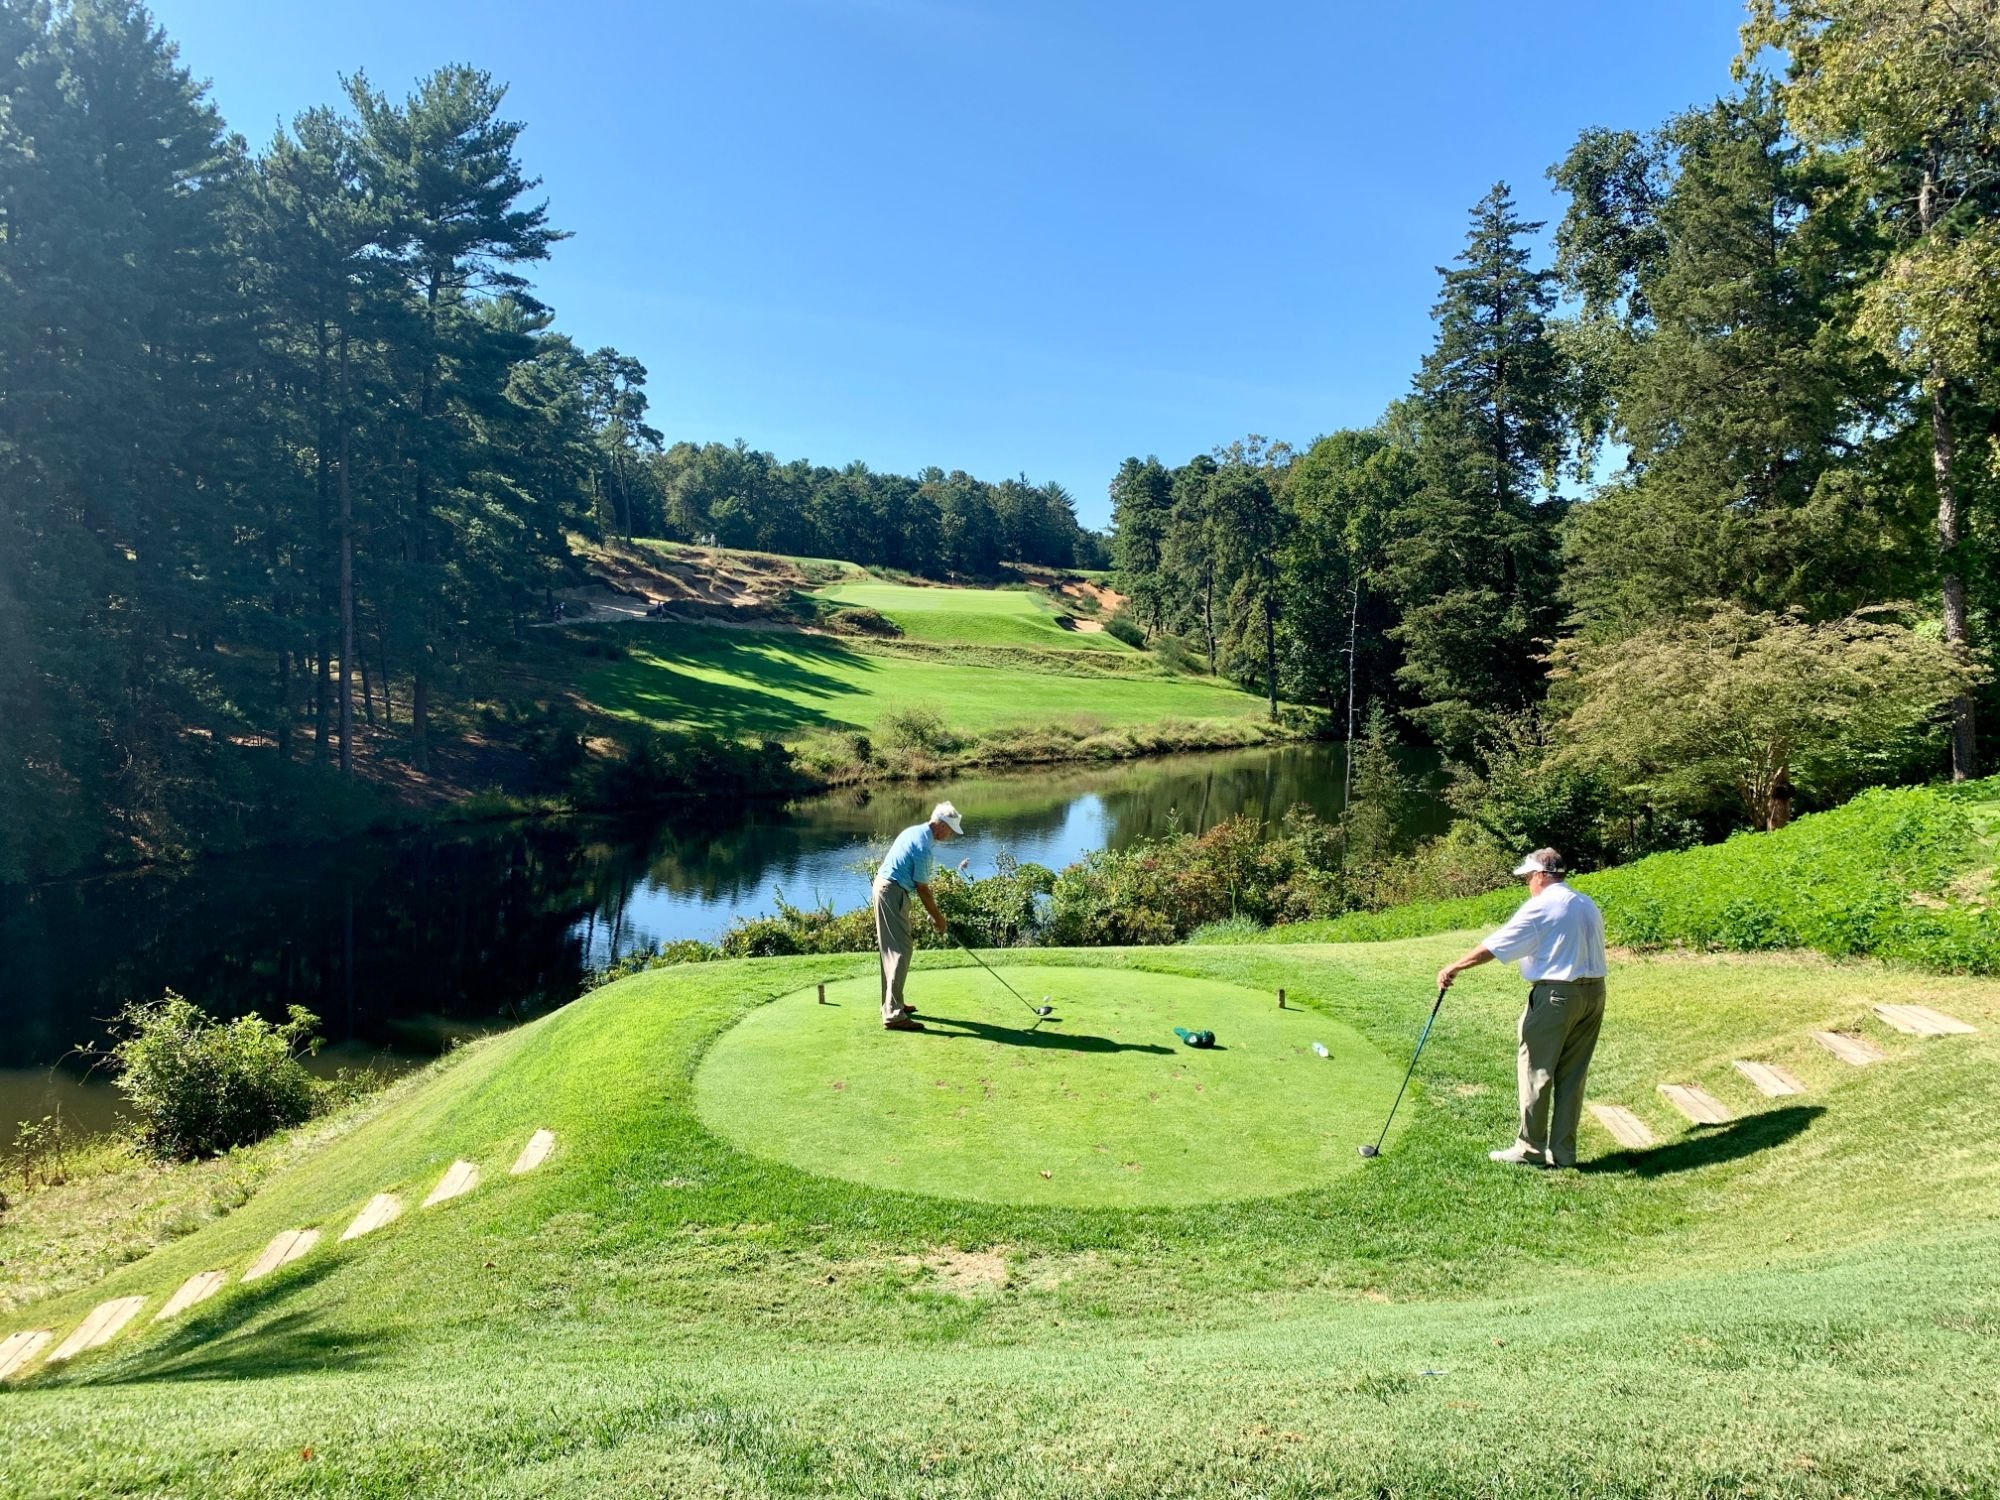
x: 1556, y: 935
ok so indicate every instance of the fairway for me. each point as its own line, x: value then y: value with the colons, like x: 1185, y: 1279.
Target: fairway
x: 779, y: 683
x: 972, y: 617
x: 1101, y: 1105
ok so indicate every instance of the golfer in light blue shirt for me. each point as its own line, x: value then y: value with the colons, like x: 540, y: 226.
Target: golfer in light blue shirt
x: 906, y: 871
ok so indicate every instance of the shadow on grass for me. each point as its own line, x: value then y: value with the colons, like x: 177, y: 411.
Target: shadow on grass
x: 1710, y: 1145
x: 1023, y: 1036
x: 252, y: 1337
x: 775, y: 679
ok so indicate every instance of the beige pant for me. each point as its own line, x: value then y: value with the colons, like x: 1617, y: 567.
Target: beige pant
x: 1558, y: 1034
x: 892, y: 940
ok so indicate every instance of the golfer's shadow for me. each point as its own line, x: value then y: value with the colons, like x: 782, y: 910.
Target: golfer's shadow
x: 1731, y: 1142
x: 1022, y: 1036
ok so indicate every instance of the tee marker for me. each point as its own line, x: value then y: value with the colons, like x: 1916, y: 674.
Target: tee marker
x: 822, y: 994
x: 1281, y: 999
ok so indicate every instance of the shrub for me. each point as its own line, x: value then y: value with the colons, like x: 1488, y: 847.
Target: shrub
x: 1173, y: 653
x: 917, y: 727
x: 1229, y: 930
x: 665, y: 767
x: 197, y: 1086
x: 1121, y: 626
x: 856, y: 620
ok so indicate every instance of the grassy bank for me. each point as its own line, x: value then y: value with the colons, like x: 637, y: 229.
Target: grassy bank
x: 973, y: 617
x: 1780, y: 1305
x: 1902, y: 873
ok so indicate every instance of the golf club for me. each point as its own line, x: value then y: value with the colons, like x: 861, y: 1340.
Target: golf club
x: 1042, y: 1011
x: 1376, y: 1149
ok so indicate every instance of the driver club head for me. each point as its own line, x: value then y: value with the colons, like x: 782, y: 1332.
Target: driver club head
x: 1368, y: 1151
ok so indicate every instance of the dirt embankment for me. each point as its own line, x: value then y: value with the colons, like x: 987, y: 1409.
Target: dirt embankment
x: 639, y: 581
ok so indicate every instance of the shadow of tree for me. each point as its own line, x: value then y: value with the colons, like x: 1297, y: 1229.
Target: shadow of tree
x: 1709, y: 1145
x: 250, y: 1337
x: 1023, y: 1036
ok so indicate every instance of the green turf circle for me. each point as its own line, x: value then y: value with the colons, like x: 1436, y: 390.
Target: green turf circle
x: 1101, y: 1105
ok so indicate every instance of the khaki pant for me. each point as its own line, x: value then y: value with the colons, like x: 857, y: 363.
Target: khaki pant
x: 892, y: 941
x: 1558, y: 1034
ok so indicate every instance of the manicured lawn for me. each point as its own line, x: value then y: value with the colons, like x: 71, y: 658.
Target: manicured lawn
x: 972, y: 617
x: 779, y: 683
x: 1801, y: 1302
x: 1101, y: 1105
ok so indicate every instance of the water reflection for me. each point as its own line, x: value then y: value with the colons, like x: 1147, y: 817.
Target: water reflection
x: 399, y: 943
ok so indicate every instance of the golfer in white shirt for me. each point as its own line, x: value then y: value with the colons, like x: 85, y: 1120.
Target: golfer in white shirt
x: 1558, y: 936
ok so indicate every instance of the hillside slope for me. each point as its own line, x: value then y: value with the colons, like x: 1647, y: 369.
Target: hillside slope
x: 1801, y: 1299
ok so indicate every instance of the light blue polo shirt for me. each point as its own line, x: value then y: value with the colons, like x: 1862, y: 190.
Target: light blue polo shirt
x: 908, y: 861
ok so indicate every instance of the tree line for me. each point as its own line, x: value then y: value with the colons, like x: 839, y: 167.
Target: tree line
x: 1687, y: 514
x: 290, y: 452
x: 936, y: 523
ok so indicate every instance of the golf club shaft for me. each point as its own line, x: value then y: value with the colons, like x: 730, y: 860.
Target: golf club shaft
x: 995, y: 973
x: 1409, y: 1070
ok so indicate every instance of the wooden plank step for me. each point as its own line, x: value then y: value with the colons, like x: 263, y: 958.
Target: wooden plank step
x: 379, y: 1210
x: 1921, y: 1020
x: 459, y: 1177
x: 285, y: 1247
x: 1857, y: 1050
x: 197, y: 1288
x: 1770, y: 1080
x: 535, y: 1152
x: 18, y: 1350
x: 1697, y: 1104
x: 99, y: 1328
x: 1626, y: 1128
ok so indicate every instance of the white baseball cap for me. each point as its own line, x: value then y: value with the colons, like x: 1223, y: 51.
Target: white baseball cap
x: 1541, y: 862
x: 946, y: 814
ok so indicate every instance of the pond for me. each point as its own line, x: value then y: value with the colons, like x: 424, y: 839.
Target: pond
x: 401, y: 943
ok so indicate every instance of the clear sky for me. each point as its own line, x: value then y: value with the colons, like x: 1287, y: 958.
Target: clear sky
x: 1003, y: 235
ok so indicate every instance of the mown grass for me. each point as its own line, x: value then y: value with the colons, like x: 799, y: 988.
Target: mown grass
x: 972, y: 617
x: 1897, y: 873
x: 778, y: 684
x: 1799, y: 1303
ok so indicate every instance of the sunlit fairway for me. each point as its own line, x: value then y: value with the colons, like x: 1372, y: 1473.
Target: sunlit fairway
x: 1101, y: 1105
x: 1800, y: 1302
x: 972, y: 617
x: 781, y: 683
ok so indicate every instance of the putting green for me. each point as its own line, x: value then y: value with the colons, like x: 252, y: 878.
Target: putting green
x: 1100, y: 1106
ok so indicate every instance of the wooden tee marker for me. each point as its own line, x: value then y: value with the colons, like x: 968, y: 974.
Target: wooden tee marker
x: 822, y: 994
x: 1281, y: 999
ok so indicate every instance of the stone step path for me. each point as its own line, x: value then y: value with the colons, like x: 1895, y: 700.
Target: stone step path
x: 1700, y: 1106
x: 286, y: 1246
x: 540, y: 1144
x: 1770, y: 1080
x: 1626, y: 1128
x: 378, y: 1211
x: 18, y: 1349
x: 197, y: 1288
x: 1857, y: 1051
x: 459, y: 1178
x: 1921, y: 1020
x: 99, y: 1328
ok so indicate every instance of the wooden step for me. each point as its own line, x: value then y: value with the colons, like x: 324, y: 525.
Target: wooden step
x: 1697, y: 1104
x: 535, y: 1152
x: 1921, y: 1020
x: 99, y: 1328
x: 197, y: 1288
x: 1770, y: 1080
x: 459, y: 1177
x: 1626, y: 1128
x: 18, y: 1350
x: 379, y: 1210
x: 1857, y: 1050
x: 285, y: 1247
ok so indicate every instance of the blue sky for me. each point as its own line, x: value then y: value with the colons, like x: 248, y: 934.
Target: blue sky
x: 1003, y: 235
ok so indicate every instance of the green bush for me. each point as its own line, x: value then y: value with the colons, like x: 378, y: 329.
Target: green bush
x: 917, y: 727
x: 197, y: 1087
x: 1874, y: 876
x: 1122, y: 627
x: 668, y: 766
